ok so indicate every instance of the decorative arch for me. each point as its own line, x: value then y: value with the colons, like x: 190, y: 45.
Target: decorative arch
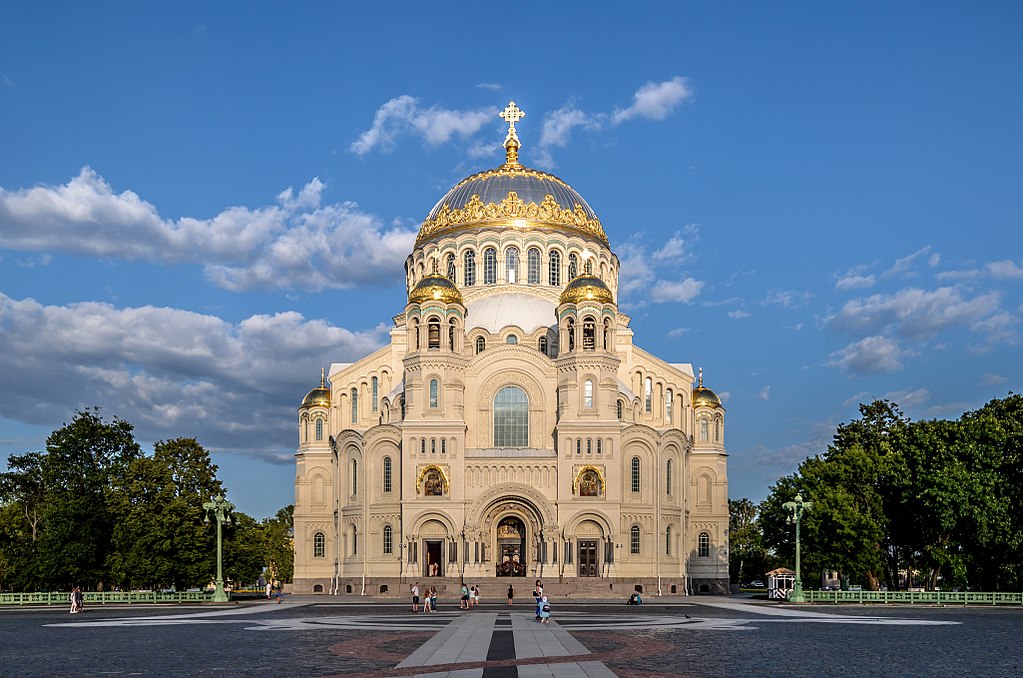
x: 572, y: 525
x: 433, y: 516
x: 426, y: 470
x: 524, y: 494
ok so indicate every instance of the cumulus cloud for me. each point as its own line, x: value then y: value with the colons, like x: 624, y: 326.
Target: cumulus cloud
x: 764, y: 394
x: 1005, y: 270
x: 904, y: 265
x: 298, y: 243
x: 915, y: 313
x: 855, y: 278
x: 908, y: 399
x: 871, y: 356
x: 683, y: 291
x: 170, y: 372
x: 655, y: 100
x: 556, y: 131
x: 788, y: 298
x: 738, y: 314
x: 679, y: 332
x: 990, y: 379
x: 655, y: 277
x: 404, y: 115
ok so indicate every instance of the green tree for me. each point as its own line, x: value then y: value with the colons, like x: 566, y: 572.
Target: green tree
x: 21, y: 497
x: 747, y: 557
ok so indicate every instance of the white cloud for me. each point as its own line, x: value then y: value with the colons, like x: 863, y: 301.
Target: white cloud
x: 168, y: 371
x: 403, y: 115
x: 556, y: 131
x: 915, y: 313
x: 655, y: 100
x: 679, y: 332
x: 904, y: 265
x: 492, y: 86
x: 739, y: 314
x: 908, y: 398
x: 298, y: 243
x: 993, y: 379
x: 788, y: 298
x: 683, y: 291
x: 870, y: 356
x: 764, y: 394
x: 1005, y: 270
x: 676, y: 250
x: 855, y: 280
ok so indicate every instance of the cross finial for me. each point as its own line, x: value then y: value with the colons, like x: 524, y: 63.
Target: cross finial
x: 512, y: 114
x: 701, y: 378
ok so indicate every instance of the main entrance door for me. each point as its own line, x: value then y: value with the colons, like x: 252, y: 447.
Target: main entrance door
x: 588, y: 558
x: 511, y: 547
x: 434, y: 564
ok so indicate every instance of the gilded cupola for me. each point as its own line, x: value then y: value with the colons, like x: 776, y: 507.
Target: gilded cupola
x: 320, y: 396
x: 587, y: 287
x: 703, y: 396
x: 437, y: 288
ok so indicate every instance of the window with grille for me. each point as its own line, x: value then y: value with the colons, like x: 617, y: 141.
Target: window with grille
x: 554, y: 269
x: 375, y: 385
x: 319, y: 545
x: 388, y: 540
x: 355, y: 406
x: 489, y: 266
x: 434, y: 395
x: 573, y: 267
x: 588, y: 394
x: 511, y: 265
x: 703, y: 545
x: 634, y: 540
x: 451, y: 267
x: 533, y: 266
x: 635, y: 474
x: 387, y: 474
x: 511, y: 417
x: 470, y: 268
x: 319, y: 429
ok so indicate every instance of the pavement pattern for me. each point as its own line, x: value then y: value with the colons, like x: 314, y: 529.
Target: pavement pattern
x: 700, y: 636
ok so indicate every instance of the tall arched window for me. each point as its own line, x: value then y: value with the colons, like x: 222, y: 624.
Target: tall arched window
x: 573, y: 267
x: 451, y: 334
x: 319, y: 430
x: 434, y: 392
x: 489, y: 266
x: 667, y: 477
x: 375, y: 386
x: 355, y: 476
x: 667, y: 541
x: 570, y: 327
x: 319, y: 545
x: 554, y: 268
x: 589, y: 333
x: 451, y: 267
x: 607, y: 335
x: 600, y: 448
x: 635, y: 474
x: 704, y: 425
x: 511, y: 265
x: 541, y: 345
x: 415, y: 334
x: 387, y: 474
x: 587, y: 394
x: 703, y: 545
x: 634, y: 540
x: 648, y: 390
x: 533, y: 266
x: 481, y: 344
x: 669, y: 396
x: 355, y: 406
x: 588, y: 267
x: 621, y: 408
x: 717, y: 429
x: 388, y: 540
x: 355, y: 541
x: 433, y: 333
x: 470, y: 268
x: 589, y: 446
x: 511, y: 417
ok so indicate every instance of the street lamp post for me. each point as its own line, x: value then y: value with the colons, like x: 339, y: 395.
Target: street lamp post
x: 220, y: 508
x: 795, y: 510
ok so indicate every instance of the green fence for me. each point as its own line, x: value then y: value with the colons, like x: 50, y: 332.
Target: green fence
x: 915, y: 597
x: 106, y: 597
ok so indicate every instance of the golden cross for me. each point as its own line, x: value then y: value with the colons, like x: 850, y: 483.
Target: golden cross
x: 512, y: 114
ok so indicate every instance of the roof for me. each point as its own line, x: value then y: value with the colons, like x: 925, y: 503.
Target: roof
x: 495, y: 312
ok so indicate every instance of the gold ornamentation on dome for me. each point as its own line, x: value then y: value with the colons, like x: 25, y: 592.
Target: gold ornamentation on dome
x: 435, y: 288
x: 586, y: 288
x: 513, y: 207
x: 512, y: 114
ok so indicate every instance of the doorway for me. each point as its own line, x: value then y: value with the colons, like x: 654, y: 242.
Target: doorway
x: 588, y: 558
x: 511, y: 547
x: 434, y: 565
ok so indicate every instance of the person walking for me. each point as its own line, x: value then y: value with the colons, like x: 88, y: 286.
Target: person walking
x: 511, y: 595
x: 538, y: 594
x: 463, y: 603
x: 415, y: 597
x: 74, y: 600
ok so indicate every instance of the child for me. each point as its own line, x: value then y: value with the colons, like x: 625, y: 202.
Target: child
x: 545, y: 610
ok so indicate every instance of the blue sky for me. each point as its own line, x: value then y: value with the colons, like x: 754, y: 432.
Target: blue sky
x: 202, y: 203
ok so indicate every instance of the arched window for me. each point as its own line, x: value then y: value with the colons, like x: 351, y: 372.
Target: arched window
x: 375, y: 386
x: 717, y: 429
x: 434, y: 395
x: 554, y: 268
x: 621, y: 408
x: 415, y: 334
x: 305, y: 428
x: 355, y: 477
x: 511, y: 417
x: 667, y: 541
x: 667, y: 477
x: 489, y: 266
x: 319, y: 545
x: 388, y: 540
x: 634, y: 540
x: 541, y: 345
x: 511, y: 265
x: 589, y: 333
x: 588, y: 267
x: 433, y: 333
x: 588, y: 394
x: 319, y: 430
x: 648, y: 390
x: 451, y: 334
x: 607, y: 335
x: 451, y: 267
x: 443, y: 445
x: 481, y: 344
x: 355, y: 541
x: 387, y: 474
x: 635, y: 474
x: 433, y: 446
x: 669, y: 400
x: 533, y: 266
x: 512, y: 339
x: 422, y: 446
x: 704, y: 424
x: 703, y: 545
x: 579, y: 446
x: 355, y: 406
x: 470, y: 268
x: 570, y: 326
x: 573, y: 267
x: 599, y: 447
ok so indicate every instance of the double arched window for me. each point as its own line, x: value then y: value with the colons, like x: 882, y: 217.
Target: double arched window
x: 511, y: 417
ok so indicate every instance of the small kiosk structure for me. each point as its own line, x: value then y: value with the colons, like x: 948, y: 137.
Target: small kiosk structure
x: 780, y: 583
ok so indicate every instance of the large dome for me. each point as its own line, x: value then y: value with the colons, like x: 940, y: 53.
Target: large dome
x: 512, y: 196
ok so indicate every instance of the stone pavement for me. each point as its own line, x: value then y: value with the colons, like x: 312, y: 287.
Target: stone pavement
x: 699, y: 636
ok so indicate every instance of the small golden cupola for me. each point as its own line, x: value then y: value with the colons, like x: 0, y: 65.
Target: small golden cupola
x: 704, y: 397
x: 320, y: 396
x: 435, y: 287
x: 587, y: 288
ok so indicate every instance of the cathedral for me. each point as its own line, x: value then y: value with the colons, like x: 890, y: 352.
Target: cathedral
x: 511, y: 428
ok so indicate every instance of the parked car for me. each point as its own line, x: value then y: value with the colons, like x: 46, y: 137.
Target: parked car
x: 756, y: 584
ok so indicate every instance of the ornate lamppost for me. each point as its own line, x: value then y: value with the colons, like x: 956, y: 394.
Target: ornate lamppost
x: 795, y: 510
x: 220, y: 508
